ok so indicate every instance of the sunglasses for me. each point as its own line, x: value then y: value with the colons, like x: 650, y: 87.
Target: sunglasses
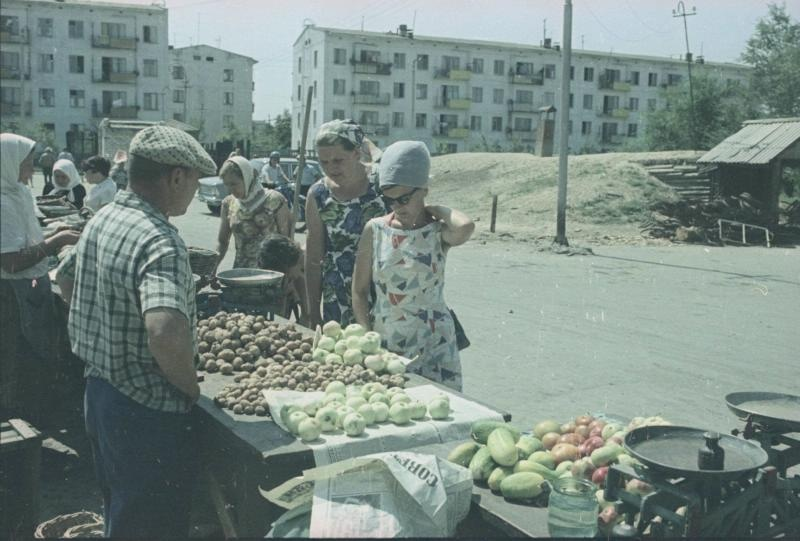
x: 399, y: 201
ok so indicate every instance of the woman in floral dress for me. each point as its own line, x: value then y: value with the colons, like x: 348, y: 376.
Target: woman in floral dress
x: 337, y: 207
x: 249, y: 213
x: 402, y: 257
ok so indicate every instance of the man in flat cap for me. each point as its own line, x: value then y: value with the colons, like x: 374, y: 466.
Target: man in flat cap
x: 132, y: 321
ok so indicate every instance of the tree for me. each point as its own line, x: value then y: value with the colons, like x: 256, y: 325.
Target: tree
x: 774, y: 52
x: 719, y: 110
x: 275, y: 136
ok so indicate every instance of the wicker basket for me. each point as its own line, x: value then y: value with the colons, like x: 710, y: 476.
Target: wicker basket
x: 80, y: 524
x: 202, y: 260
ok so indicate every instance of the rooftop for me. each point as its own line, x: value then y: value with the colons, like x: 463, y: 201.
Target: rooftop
x: 154, y: 6
x: 757, y: 143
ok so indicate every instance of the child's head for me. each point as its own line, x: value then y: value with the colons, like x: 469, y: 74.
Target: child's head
x: 279, y: 253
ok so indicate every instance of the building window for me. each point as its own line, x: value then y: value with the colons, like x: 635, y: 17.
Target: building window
x: 338, y: 114
x: 227, y: 121
x: 299, y: 92
x: 525, y: 97
x: 497, y: 96
x: 113, y: 99
x: 112, y: 30
x: 150, y: 101
x: 369, y: 118
x: 46, y: 63
x: 421, y: 120
x: 227, y: 76
x: 398, y: 120
x: 633, y: 104
x: 150, y: 67
x: 571, y: 100
x: 339, y: 87
x: 399, y: 90
x: 634, y: 79
x: 524, y: 68
x: 178, y: 72
x: 569, y: 127
x: 149, y: 34
x: 299, y: 65
x: 178, y: 96
x: 632, y: 130
x: 9, y: 60
x: 572, y: 73
x: 523, y: 124
x: 228, y: 98
x: 316, y: 54
x: 75, y: 64
x: 651, y: 104
x: 75, y: 29
x: 314, y: 93
x: 550, y: 71
x: 10, y: 24
x: 673, y: 79
x: 451, y: 63
x: 499, y: 67
x: 399, y: 61
x: 497, y: 123
x: 652, y: 79
x: 588, y: 102
x: 588, y: 74
x: 44, y: 28
x: 475, y: 123
x: 477, y: 65
x: 422, y: 62
x: 77, y: 98
x: 422, y: 92
x: 369, y: 88
x: 10, y: 95
x: 178, y: 117
x: 586, y: 128
x: 477, y: 94
x: 298, y: 120
x: 47, y: 97
x: 340, y: 56
x: 314, y: 116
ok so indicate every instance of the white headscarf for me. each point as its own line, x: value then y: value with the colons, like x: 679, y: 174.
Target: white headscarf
x: 69, y: 169
x: 254, y: 194
x: 20, y: 227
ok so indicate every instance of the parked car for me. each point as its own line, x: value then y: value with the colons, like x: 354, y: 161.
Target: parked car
x: 212, y: 190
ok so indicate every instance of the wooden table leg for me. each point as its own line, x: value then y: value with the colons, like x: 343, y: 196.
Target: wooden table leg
x: 220, y: 505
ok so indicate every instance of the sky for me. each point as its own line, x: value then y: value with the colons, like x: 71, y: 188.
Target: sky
x: 267, y: 29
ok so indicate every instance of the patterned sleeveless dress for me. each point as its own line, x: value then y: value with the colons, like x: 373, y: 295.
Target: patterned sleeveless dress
x: 409, y: 311
x: 344, y: 222
x: 248, y: 232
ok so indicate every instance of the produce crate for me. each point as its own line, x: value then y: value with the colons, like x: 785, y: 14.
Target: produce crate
x: 20, y: 463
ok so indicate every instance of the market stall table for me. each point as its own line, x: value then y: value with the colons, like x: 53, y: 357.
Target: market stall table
x: 245, y: 452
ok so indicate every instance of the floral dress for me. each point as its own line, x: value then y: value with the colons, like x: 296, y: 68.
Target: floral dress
x: 344, y: 222
x: 409, y: 310
x: 251, y: 229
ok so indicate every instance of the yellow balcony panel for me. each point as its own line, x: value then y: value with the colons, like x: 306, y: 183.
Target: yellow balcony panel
x: 458, y: 133
x: 623, y: 87
x: 620, y: 113
x: 459, y: 103
x: 460, y: 75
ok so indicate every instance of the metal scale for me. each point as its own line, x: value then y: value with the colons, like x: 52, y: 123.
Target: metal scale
x: 706, y: 484
x: 251, y: 291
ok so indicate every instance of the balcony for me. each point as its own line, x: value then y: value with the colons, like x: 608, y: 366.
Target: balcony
x: 454, y: 103
x: 19, y: 37
x: 375, y: 129
x: 520, y: 79
x: 10, y: 109
x: 612, y: 139
x: 372, y: 99
x: 605, y: 83
x: 517, y: 107
x: 452, y: 74
x: 617, y: 112
x: 120, y: 112
x: 107, y: 42
x: 371, y: 67
x: 118, y: 77
x: 451, y: 133
x: 13, y: 73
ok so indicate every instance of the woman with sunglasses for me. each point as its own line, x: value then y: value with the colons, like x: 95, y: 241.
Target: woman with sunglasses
x: 402, y: 256
x: 337, y: 207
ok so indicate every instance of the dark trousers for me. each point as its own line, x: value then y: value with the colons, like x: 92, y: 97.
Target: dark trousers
x: 145, y: 461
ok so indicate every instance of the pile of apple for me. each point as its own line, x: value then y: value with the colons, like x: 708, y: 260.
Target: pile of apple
x: 355, y: 346
x: 351, y: 409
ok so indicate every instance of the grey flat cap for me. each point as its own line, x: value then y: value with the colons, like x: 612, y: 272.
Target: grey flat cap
x: 405, y: 163
x: 171, y: 146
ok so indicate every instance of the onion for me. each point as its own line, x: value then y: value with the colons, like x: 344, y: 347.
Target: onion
x: 550, y: 439
x: 570, y: 437
x: 583, y: 419
x: 582, y: 431
x: 597, y: 423
x: 568, y: 427
x: 564, y: 451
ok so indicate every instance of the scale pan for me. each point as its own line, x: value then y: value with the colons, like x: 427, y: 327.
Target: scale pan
x: 778, y: 412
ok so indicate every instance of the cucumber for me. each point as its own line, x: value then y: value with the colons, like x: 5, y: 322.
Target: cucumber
x: 543, y: 457
x: 528, y: 445
x: 482, y: 465
x: 462, y: 454
x: 501, y: 446
x: 499, y: 473
x: 481, y: 429
x: 535, y: 467
x: 522, y: 486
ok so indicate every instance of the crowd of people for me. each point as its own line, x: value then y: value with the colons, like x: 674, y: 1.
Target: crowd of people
x: 375, y: 254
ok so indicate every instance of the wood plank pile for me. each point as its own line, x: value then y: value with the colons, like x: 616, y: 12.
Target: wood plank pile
x: 688, y: 180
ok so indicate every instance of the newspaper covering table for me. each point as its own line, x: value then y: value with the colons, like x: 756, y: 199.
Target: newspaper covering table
x: 337, y: 446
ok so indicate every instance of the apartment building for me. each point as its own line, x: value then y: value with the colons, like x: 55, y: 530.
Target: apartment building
x: 67, y: 64
x: 459, y: 95
x: 212, y: 89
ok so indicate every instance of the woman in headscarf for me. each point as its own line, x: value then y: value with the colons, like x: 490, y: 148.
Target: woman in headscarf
x: 249, y: 213
x: 67, y: 183
x: 337, y: 207
x: 402, y: 256
x: 26, y: 301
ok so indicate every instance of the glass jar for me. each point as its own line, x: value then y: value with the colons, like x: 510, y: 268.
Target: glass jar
x: 572, y: 510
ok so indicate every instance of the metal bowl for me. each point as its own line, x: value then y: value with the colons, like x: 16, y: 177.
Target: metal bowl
x: 249, y: 277
x: 779, y: 411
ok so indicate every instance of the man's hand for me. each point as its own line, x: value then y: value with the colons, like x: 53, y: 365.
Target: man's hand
x: 171, y: 344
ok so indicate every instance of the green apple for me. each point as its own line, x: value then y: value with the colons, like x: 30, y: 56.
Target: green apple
x: 340, y: 347
x: 400, y: 413
x: 366, y: 411
x: 439, y: 408
x: 335, y: 387
x: 294, y: 420
x: 354, y: 424
x: 326, y: 415
x: 319, y: 355
x: 327, y: 343
x: 375, y: 363
x: 341, y: 413
x: 355, y: 402
x: 332, y: 329
x: 309, y: 429
x: 395, y: 366
x: 418, y: 409
x: 333, y: 358
x: 354, y: 329
x: 379, y: 397
x: 399, y: 397
x: 381, y: 410
x: 353, y: 357
x: 370, y: 342
x: 333, y: 397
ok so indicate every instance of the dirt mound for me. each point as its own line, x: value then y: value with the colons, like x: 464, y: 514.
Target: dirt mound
x: 608, y: 195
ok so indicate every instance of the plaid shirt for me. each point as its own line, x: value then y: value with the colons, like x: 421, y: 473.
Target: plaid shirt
x: 129, y: 259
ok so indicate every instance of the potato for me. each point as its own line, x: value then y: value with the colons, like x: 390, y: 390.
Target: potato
x: 227, y: 355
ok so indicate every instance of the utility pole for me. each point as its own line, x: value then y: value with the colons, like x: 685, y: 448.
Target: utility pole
x: 681, y: 12
x: 563, y: 140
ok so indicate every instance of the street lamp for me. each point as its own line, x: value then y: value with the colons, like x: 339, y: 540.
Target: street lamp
x: 681, y: 12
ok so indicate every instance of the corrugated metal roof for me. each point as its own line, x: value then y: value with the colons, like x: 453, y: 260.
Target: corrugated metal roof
x: 757, y: 143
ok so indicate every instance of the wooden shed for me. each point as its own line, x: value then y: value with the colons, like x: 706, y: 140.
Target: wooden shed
x: 753, y: 159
